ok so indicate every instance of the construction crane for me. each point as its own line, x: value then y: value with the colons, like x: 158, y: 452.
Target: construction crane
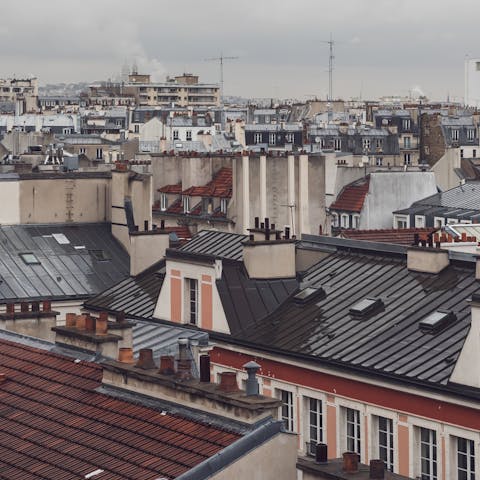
x: 220, y: 59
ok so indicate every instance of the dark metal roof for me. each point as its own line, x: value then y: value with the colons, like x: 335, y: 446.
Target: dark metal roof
x: 389, y: 341
x: 62, y: 270
x: 246, y: 301
x: 136, y: 296
x: 217, y: 244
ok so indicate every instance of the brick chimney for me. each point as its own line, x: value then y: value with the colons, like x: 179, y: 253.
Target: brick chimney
x: 34, y: 319
x: 97, y: 335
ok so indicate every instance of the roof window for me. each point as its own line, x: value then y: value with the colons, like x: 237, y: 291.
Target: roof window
x: 99, y: 255
x: 437, y: 320
x: 29, y: 259
x: 307, y: 294
x: 366, y: 306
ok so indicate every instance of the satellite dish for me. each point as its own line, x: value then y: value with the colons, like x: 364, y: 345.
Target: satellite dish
x: 317, y: 139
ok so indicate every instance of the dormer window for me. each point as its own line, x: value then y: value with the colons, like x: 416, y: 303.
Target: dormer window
x: 406, y: 124
x: 223, y: 205
x: 470, y: 133
x: 455, y: 134
x: 163, y: 201
x: 186, y: 204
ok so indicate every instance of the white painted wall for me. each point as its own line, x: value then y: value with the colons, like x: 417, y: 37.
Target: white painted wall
x: 10, y: 203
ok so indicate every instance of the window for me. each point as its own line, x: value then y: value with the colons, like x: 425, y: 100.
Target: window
x: 470, y: 133
x: 289, y: 138
x: 163, y: 201
x: 461, y: 153
x: 99, y: 153
x: 366, y: 144
x: 272, y: 139
x: 455, y: 134
x: 401, y: 221
x: 438, y: 222
x: 419, y: 221
x: 29, y: 259
x: 385, y: 441
x: 189, y: 135
x: 407, y: 159
x: 191, y: 287
x: 407, y: 142
x: 334, y: 220
x: 337, y: 144
x: 379, y: 161
x: 137, y: 128
x: 67, y: 131
x: 465, y: 459
x: 223, y: 205
x: 356, y: 221
x: 186, y: 204
x: 379, y: 143
x: 344, y: 219
x: 428, y: 454
x: 257, y: 138
x: 474, y: 153
x: 175, y: 135
x: 406, y: 124
x: 315, y: 423
x: 352, y: 428
x: 82, y: 150
x: 287, y: 409
x: 99, y: 255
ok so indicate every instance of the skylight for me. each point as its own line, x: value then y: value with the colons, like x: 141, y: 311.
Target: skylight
x: 99, y: 255
x: 366, y: 306
x: 30, y: 259
x: 307, y: 294
x: 437, y: 320
x: 61, y: 238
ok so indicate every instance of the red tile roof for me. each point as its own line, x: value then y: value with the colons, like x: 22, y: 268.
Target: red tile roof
x: 351, y: 198
x: 220, y: 186
x: 175, y: 207
x: 401, y: 236
x: 174, y: 189
x: 182, y: 231
x: 55, y: 425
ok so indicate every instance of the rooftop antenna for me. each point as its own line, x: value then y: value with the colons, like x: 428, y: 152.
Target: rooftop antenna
x: 220, y: 59
x: 331, y: 57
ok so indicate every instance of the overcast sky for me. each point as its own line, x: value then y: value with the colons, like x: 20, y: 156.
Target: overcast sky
x: 383, y: 46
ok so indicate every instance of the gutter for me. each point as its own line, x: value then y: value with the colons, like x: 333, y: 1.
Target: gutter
x: 233, y: 452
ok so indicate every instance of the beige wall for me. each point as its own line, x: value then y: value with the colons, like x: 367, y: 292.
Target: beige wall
x: 274, y: 460
x: 10, y: 202
x: 444, y: 169
x: 270, y: 260
x: 145, y: 250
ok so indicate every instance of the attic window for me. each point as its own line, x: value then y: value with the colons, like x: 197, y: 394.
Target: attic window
x: 61, y: 238
x: 307, y: 294
x: 99, y: 255
x: 30, y: 259
x: 437, y: 320
x: 366, y: 306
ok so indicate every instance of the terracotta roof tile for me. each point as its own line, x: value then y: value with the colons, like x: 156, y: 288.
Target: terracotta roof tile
x: 182, y: 231
x: 219, y: 186
x: 174, y: 189
x: 351, y: 198
x: 400, y: 236
x: 55, y: 425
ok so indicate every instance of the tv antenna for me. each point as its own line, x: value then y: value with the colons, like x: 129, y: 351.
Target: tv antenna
x: 331, y: 57
x: 220, y: 59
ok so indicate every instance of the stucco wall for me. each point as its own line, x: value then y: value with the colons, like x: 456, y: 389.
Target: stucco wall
x: 10, y: 201
x: 273, y: 460
x: 445, y: 175
x: 390, y: 191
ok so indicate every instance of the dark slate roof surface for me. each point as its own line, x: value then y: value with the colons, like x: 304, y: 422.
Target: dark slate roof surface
x: 217, y: 244
x: 389, y: 341
x: 55, y: 425
x: 136, y: 296
x: 63, y: 271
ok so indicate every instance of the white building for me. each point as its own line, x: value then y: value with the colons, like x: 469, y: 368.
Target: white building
x: 472, y: 82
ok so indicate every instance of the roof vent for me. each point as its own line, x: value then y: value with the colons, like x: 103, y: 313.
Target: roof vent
x: 437, y: 320
x: 307, y: 294
x: 366, y: 307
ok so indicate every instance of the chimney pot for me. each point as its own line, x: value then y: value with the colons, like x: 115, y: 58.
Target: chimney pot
x: 162, y: 224
x: 252, y: 237
x: 145, y: 359
x: 24, y: 307
x: 47, y: 306
x: 81, y: 321
x: 287, y: 233
x: 120, y: 317
x: 252, y: 383
x: 125, y: 355
x: 262, y: 226
x: 321, y: 451
x: 167, y: 365
x: 145, y: 225
x: 90, y: 323
x: 377, y: 469
x: 228, y: 382
x: 101, y: 325
x: 205, y: 368
x: 10, y: 308
x: 272, y: 226
x: 267, y: 223
x: 35, y: 306
x: 350, y: 462
x: 257, y: 222
x: 70, y: 319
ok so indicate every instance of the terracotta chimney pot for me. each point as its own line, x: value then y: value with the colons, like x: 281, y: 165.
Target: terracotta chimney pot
x: 81, y: 321
x: 145, y: 359
x: 71, y: 320
x: 125, y: 355
x: 350, y: 462
x: 228, y: 382
x: 101, y: 327
x: 47, y: 306
x: 167, y: 365
x: 90, y: 323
